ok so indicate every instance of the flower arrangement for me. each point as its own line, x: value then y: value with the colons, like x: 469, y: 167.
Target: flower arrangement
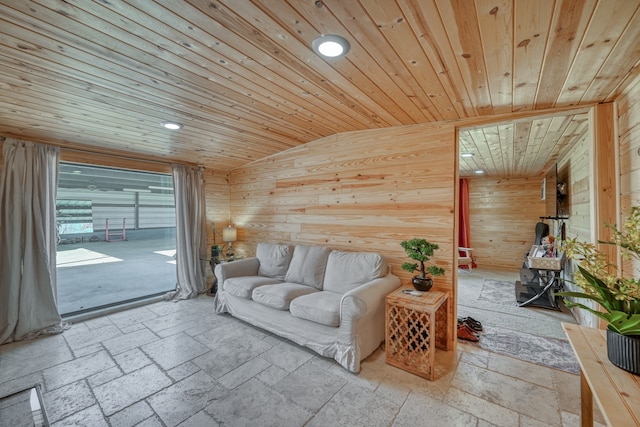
x: 421, y: 250
x: 618, y: 296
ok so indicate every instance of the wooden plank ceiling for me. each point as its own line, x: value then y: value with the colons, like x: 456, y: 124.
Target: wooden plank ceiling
x: 242, y: 78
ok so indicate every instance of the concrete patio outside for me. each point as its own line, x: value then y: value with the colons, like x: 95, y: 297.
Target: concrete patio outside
x: 99, y: 273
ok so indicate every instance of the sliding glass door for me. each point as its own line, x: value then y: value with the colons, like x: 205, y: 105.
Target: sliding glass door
x: 116, y: 236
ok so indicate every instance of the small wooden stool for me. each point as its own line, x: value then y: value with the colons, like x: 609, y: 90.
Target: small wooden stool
x: 412, y: 334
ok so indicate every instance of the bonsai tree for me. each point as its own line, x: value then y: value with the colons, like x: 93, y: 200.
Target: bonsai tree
x: 421, y: 250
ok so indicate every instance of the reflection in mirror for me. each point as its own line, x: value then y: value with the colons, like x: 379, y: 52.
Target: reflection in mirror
x: 525, y: 147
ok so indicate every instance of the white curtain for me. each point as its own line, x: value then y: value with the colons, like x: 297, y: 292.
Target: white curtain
x: 191, y: 244
x: 28, y: 241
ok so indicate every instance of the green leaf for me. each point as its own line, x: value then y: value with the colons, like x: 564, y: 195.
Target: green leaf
x: 625, y: 324
x: 601, y: 315
x: 409, y: 266
x: 579, y: 295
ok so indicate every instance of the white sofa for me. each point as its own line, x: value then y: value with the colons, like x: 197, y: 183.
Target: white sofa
x: 332, y: 302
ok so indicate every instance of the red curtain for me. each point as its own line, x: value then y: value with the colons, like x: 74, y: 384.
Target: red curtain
x: 464, y: 231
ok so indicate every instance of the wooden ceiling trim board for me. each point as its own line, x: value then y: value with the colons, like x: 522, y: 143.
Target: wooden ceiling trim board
x: 198, y: 83
x: 240, y: 80
x: 491, y: 139
x: 570, y: 19
x: 539, y: 130
x: 506, y: 135
x: 520, y: 143
x: 358, y: 66
x: 243, y: 80
x: 73, y: 74
x: 532, y: 19
x: 484, y: 150
x: 596, y: 47
x: 361, y: 26
x: 465, y: 164
x: 236, y: 68
x: 392, y: 23
x: 264, y: 63
x: 621, y: 61
x: 496, y: 31
x: 424, y: 18
x: 322, y: 74
x: 461, y: 23
x: 575, y: 130
x: 121, y: 110
x: 552, y: 142
x: 469, y: 50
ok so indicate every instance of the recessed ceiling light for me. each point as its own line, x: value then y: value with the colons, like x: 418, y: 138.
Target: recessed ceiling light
x: 172, y: 125
x: 466, y: 155
x: 479, y: 172
x: 330, y: 46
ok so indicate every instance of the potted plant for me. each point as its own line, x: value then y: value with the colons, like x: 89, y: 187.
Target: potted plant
x: 618, y: 296
x: 421, y: 250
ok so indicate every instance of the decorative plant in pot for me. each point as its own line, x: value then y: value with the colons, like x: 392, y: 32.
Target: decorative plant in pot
x: 618, y: 296
x: 421, y: 250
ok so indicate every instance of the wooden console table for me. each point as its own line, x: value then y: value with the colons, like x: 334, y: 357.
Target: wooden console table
x: 415, y: 325
x: 616, y: 392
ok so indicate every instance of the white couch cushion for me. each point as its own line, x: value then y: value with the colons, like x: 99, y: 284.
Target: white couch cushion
x: 348, y: 270
x: 280, y: 296
x: 243, y: 286
x: 308, y: 265
x: 274, y: 260
x: 320, y: 307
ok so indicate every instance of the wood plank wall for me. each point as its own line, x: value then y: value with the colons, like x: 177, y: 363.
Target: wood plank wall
x: 217, y: 193
x: 503, y: 214
x: 574, y: 167
x: 629, y: 143
x: 357, y: 191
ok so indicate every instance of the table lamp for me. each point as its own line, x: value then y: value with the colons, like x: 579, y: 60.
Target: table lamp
x: 229, y: 235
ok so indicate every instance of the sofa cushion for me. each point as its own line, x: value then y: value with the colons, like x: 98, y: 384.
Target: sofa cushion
x: 243, y: 286
x: 280, y: 296
x: 348, y: 270
x: 308, y: 265
x: 274, y: 260
x: 320, y: 307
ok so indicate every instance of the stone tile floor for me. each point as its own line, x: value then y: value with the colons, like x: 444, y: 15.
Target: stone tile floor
x: 179, y: 364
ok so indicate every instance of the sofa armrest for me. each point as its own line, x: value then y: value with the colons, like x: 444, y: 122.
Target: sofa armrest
x: 239, y: 268
x: 367, y: 297
x: 362, y: 319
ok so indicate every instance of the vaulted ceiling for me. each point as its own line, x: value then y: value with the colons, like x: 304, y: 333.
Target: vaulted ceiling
x: 242, y: 77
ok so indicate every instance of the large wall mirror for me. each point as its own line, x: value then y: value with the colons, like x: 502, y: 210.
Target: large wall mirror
x: 506, y: 166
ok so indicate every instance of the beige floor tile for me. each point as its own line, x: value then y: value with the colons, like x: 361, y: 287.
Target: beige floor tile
x: 354, y: 406
x: 77, y: 369
x: 132, y: 415
x: 525, y: 371
x: 255, y: 404
x: 518, y: 395
x: 91, y: 416
x: 178, y: 402
x: 67, y: 400
x: 174, y: 350
x: 422, y: 410
x: 129, y: 389
x: 482, y: 409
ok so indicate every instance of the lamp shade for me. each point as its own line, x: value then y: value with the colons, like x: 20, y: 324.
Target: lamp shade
x: 229, y: 234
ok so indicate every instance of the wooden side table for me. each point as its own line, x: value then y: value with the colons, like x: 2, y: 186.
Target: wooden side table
x: 615, y: 391
x: 415, y: 325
